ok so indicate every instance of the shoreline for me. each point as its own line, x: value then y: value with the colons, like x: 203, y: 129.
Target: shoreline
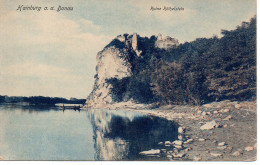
x: 229, y: 131
x: 219, y: 131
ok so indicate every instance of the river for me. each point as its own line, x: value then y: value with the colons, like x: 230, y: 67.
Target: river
x: 47, y: 133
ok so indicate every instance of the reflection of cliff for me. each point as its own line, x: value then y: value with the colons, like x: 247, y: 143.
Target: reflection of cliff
x: 122, y: 136
x: 106, y: 149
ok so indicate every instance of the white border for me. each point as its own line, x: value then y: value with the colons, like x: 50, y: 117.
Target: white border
x: 155, y: 162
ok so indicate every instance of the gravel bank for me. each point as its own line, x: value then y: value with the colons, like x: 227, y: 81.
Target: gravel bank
x: 223, y: 131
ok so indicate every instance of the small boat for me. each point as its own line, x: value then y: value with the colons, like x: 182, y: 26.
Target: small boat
x: 69, y: 106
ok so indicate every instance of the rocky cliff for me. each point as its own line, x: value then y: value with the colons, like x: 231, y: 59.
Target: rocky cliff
x: 158, y: 69
x: 116, y: 61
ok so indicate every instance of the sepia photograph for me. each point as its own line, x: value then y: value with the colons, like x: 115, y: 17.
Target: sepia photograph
x: 135, y: 80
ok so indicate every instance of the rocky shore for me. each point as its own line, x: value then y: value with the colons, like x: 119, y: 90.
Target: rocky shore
x: 223, y: 131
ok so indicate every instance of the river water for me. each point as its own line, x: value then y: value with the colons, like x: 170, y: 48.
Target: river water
x: 44, y: 133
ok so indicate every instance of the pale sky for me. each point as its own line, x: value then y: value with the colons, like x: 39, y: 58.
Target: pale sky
x: 52, y: 53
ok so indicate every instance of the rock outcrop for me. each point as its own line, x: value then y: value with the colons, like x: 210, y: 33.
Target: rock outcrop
x: 112, y: 62
x: 115, y: 61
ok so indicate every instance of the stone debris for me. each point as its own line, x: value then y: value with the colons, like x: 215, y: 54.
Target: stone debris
x: 160, y: 143
x: 219, y: 106
x: 187, y: 149
x: 249, y: 148
x: 204, y: 145
x: 167, y: 143
x: 180, y: 130
x: 179, y: 155
x: 209, y: 125
x: 177, y: 142
x: 228, y: 117
x: 169, y: 156
x: 178, y: 147
x: 237, y: 153
x: 208, y: 113
x: 222, y: 147
x: 215, y: 154
x: 175, y: 150
x: 201, y: 140
x: 225, y: 110
x: 221, y: 144
x: 188, y: 141
x: 151, y: 152
x: 196, y: 158
x: 204, y: 113
x: 199, y: 111
x: 237, y: 106
x: 209, y: 105
x: 215, y: 112
x: 230, y: 148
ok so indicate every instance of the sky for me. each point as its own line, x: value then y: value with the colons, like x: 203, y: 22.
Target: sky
x: 52, y: 53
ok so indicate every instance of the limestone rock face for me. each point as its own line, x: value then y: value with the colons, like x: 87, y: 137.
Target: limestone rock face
x: 135, y: 45
x: 115, y: 62
x: 166, y: 42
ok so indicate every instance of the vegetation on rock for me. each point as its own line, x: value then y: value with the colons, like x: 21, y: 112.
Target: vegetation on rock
x: 197, y: 72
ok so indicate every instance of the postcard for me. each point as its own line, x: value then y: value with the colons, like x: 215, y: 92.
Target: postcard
x: 136, y: 80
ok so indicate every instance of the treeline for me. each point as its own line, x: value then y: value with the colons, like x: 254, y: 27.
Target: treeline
x: 197, y: 72
x: 40, y: 100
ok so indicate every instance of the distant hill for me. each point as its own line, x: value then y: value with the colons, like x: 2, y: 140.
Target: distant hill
x: 160, y: 70
x: 39, y: 100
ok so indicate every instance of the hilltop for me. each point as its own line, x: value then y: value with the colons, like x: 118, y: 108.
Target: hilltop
x: 161, y: 71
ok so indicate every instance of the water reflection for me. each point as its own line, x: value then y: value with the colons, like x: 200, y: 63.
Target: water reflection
x: 121, y: 135
x: 29, y: 133
x: 27, y: 108
x: 34, y: 108
x: 44, y: 133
